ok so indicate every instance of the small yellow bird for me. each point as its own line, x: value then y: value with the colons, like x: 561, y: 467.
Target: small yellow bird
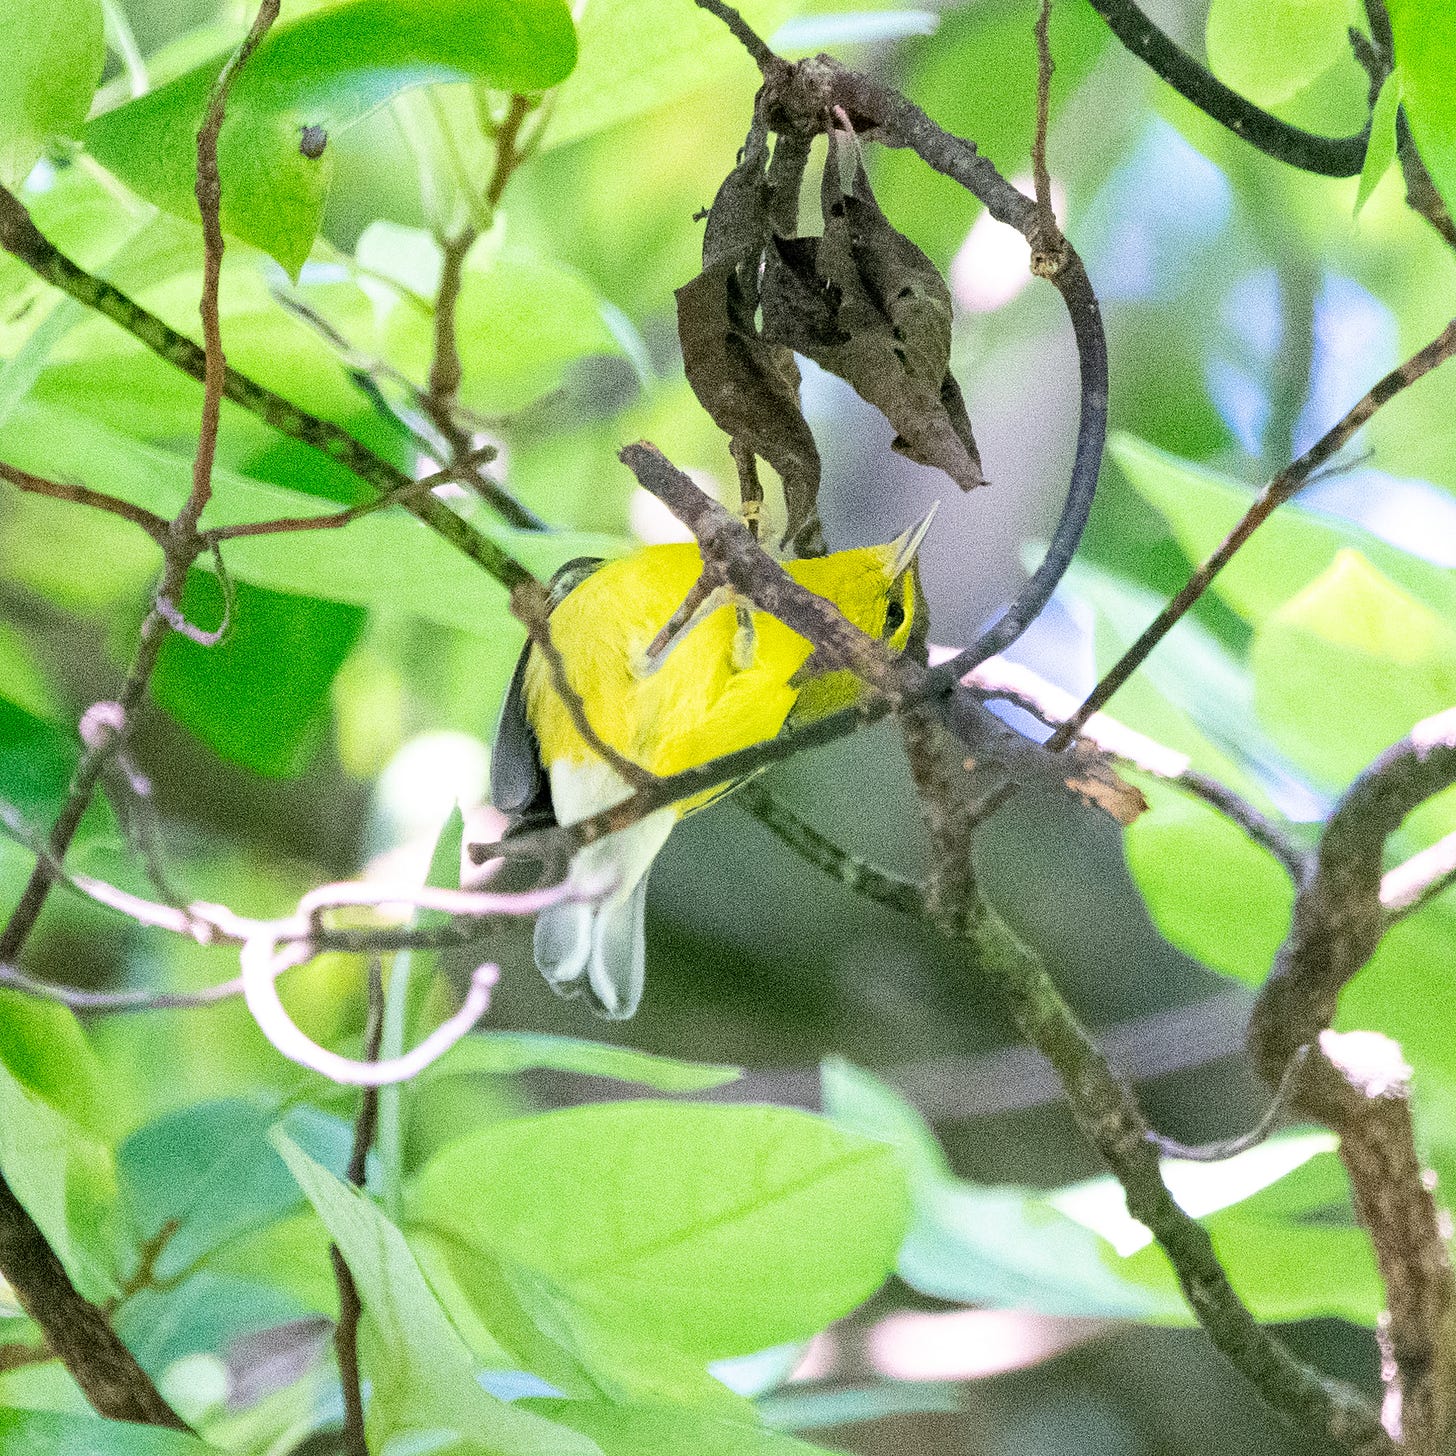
x: 729, y: 677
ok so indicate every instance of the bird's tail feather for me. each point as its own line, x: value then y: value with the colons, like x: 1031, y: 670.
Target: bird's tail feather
x: 599, y: 947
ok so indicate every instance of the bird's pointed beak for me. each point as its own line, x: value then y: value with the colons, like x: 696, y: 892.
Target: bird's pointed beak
x: 906, y: 545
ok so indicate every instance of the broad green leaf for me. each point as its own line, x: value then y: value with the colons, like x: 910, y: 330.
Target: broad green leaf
x: 1425, y: 49
x: 45, y: 1049
x: 260, y: 697
x: 49, y: 1433
x: 1284, y: 555
x: 421, y: 1372
x: 515, y: 1318
x: 503, y: 1052
x: 809, y: 1410
x: 328, y: 68
x: 1408, y: 991
x: 1380, y: 151
x: 520, y: 320
x: 637, y: 57
x: 1194, y: 696
x: 719, y: 1230
x: 1279, y: 1216
x: 65, y: 1180
x: 1269, y: 49
x: 49, y: 67
x: 1000, y: 1246
x: 211, y: 1168
x: 427, y: 577
x: 1393, y: 658
x: 627, y: 1430
x: 1210, y: 890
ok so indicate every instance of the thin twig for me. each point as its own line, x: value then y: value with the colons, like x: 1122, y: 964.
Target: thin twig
x: 1284, y: 485
x: 1053, y: 706
x: 20, y: 237
x: 208, y: 189
x: 346, y: 1331
x: 763, y: 57
x: 1422, y: 877
x: 903, y: 896
x: 154, y: 525
x: 439, y: 398
x: 400, y: 495
x: 1041, y: 178
x: 1226, y: 1148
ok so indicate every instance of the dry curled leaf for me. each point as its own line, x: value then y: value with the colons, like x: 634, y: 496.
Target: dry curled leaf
x: 1090, y: 775
x: 749, y: 387
x: 867, y: 305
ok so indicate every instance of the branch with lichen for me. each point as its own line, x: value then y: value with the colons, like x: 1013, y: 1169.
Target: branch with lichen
x: 1357, y: 1082
x: 1107, y: 1111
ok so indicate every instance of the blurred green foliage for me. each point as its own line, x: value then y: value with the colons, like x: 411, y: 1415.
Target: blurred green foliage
x: 562, y: 1280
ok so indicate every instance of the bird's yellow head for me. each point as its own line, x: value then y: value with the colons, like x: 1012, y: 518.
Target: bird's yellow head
x: 878, y: 589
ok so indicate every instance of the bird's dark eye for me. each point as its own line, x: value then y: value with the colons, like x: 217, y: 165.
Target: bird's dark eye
x: 894, y: 617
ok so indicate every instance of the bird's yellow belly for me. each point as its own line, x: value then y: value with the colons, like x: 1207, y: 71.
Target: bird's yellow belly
x: 694, y: 705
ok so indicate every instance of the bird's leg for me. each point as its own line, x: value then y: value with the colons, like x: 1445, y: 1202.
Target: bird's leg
x: 705, y: 597
x: 745, y: 639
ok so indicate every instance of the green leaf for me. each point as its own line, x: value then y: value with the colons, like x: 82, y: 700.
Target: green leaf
x: 49, y: 68
x: 516, y: 1318
x: 637, y: 57
x: 1210, y: 890
x: 1000, y: 1246
x: 1284, y: 555
x: 1195, y: 697
x: 1404, y: 992
x: 211, y: 1167
x: 1425, y: 49
x: 44, y: 1048
x: 427, y: 577
x: 1279, y: 1216
x: 1380, y: 151
x: 421, y: 1372
x: 330, y: 67
x: 520, y: 320
x: 500, y: 1053
x: 260, y: 697
x: 63, y: 1178
x: 667, y: 1431
x: 808, y: 1410
x: 1393, y: 658
x: 718, y: 1230
x: 49, y: 1433
x: 1269, y: 49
